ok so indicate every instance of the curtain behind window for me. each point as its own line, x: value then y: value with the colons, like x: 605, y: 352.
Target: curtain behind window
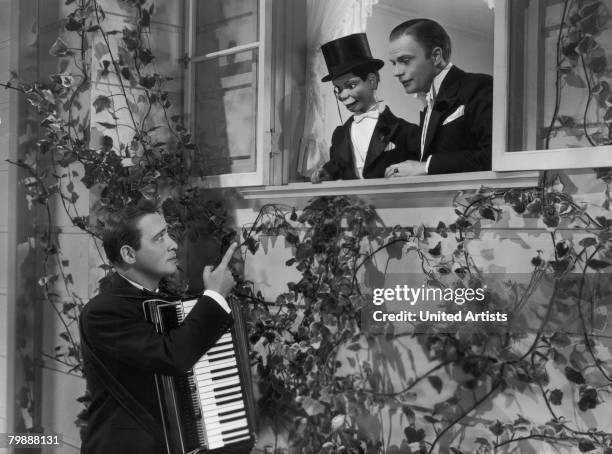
x: 326, y: 20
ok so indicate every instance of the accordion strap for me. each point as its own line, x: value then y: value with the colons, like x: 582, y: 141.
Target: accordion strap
x: 123, y: 397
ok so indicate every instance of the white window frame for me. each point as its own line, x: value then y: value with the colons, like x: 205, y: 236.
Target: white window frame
x: 262, y: 153
x: 504, y: 160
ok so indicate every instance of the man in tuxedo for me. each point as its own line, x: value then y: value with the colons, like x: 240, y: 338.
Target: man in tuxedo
x: 372, y: 138
x: 457, y: 120
x: 121, y: 346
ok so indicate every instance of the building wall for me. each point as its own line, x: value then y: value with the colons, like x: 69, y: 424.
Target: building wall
x: 5, y: 46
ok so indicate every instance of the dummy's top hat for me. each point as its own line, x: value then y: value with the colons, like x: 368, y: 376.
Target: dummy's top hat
x: 349, y: 53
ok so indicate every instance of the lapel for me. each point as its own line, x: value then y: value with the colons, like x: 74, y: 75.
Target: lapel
x: 445, y: 101
x: 385, y: 127
x: 345, y: 147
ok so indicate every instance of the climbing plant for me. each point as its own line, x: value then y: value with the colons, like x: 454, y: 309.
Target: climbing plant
x: 117, y: 146
x: 325, y: 375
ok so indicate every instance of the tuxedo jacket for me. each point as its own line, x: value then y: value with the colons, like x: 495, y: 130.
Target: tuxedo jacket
x: 389, y: 129
x: 459, y: 131
x: 133, y: 351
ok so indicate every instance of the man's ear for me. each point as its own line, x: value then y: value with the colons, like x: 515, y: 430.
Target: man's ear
x: 128, y: 254
x: 438, y: 58
x: 373, y: 81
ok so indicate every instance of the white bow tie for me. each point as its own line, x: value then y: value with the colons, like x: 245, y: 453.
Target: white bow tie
x: 369, y: 114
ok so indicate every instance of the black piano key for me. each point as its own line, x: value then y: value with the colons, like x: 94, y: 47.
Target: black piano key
x: 231, y: 431
x: 222, y: 388
x: 229, y: 412
x: 214, y: 359
x: 222, y: 377
x: 221, y: 369
x: 238, y: 392
x: 233, y: 418
x: 229, y: 401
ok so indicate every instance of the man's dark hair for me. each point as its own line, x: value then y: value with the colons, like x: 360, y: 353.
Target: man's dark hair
x: 121, y: 229
x: 427, y: 32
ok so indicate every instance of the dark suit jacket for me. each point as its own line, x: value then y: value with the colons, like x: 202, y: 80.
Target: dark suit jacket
x: 464, y: 143
x: 389, y: 128
x: 115, y: 328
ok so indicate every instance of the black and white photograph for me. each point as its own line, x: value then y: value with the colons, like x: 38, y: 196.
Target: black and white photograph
x: 306, y: 226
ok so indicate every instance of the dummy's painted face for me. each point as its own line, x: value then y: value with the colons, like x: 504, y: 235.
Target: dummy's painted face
x: 356, y: 94
x: 411, y: 65
x: 156, y: 256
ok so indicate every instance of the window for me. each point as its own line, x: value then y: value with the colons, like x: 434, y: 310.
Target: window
x: 552, y: 85
x: 227, y: 89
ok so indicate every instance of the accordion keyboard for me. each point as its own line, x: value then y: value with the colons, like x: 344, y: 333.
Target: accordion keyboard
x: 217, y: 379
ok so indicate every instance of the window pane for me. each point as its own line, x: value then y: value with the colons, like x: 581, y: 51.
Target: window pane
x: 559, y: 75
x: 226, y: 112
x: 223, y: 24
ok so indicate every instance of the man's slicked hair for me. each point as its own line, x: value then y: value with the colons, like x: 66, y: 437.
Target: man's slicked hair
x: 121, y: 229
x: 427, y: 32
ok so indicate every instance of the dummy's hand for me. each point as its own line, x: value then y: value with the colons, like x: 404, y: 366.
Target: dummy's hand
x: 220, y: 279
x: 321, y: 175
x: 406, y: 169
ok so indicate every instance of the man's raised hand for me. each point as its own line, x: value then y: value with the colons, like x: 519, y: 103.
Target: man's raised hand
x: 220, y: 279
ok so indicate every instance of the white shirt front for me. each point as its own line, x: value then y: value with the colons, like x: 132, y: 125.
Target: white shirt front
x: 361, y: 134
x: 430, y: 99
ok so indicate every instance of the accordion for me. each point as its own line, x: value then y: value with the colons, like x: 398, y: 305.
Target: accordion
x: 210, y: 407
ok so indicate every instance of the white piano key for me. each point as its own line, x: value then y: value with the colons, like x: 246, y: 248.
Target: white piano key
x: 219, y: 400
x: 216, y: 429
x: 219, y: 409
x: 237, y: 436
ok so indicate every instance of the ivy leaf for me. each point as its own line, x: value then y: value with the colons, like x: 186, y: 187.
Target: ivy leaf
x: 456, y: 451
x: 608, y: 115
x: 436, y: 382
x: 574, y: 376
x: 101, y: 103
x: 146, y: 56
x: 59, y: 49
x: 106, y: 125
x: 441, y: 229
x: 290, y: 262
x: 147, y: 82
x: 586, y: 242
x: 487, y: 212
x: 590, y: 24
x: 395, y: 250
x: 251, y: 245
x: 598, y: 62
x: 125, y: 73
x: 585, y: 445
x: 437, y: 250
x: 597, y: 264
x: 560, y: 339
x: 586, y: 45
x: 408, y: 412
x: 73, y: 25
x: 589, y: 9
x: 566, y: 121
x: 588, y: 399
x: 556, y: 396
x: 414, y: 435
x: 497, y: 429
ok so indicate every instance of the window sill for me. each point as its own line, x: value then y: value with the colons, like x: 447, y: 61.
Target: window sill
x: 404, y: 187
